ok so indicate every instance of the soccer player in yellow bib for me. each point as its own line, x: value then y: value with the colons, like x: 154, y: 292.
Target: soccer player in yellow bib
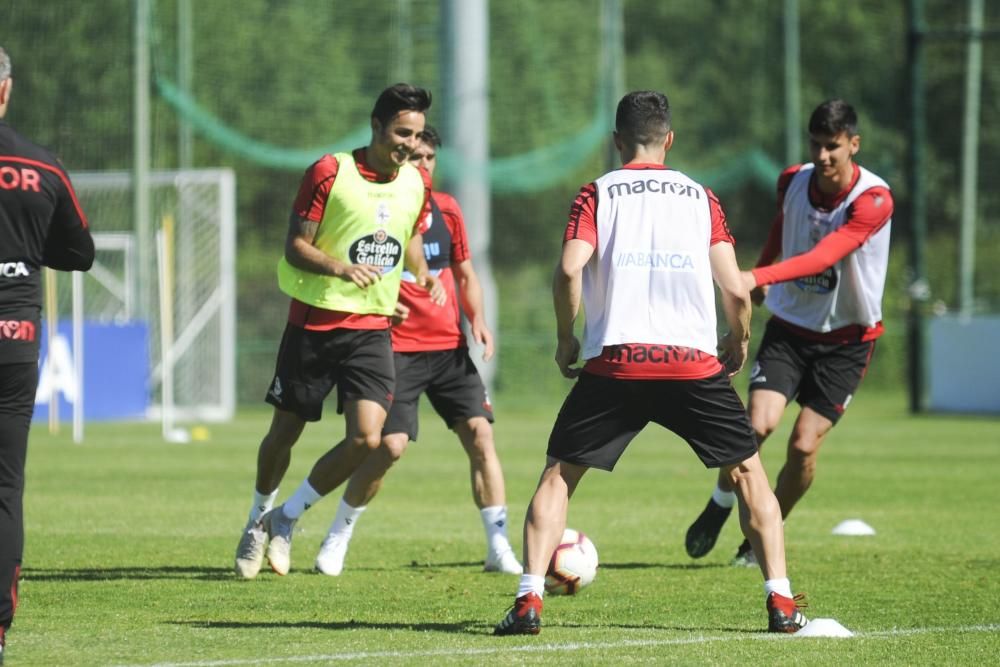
x: 354, y: 225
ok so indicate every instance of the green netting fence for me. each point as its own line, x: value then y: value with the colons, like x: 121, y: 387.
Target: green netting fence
x: 273, y: 85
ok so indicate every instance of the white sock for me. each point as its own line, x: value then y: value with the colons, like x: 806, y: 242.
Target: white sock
x: 347, y: 516
x: 495, y: 523
x: 531, y: 583
x: 262, y: 502
x: 723, y: 498
x: 304, y: 497
x: 780, y: 586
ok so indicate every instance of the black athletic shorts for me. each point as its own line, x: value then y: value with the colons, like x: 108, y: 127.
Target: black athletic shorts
x: 451, y: 381
x: 310, y: 363
x: 602, y: 415
x: 820, y: 376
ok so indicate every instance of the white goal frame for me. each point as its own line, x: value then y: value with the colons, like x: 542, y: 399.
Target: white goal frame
x: 210, y: 318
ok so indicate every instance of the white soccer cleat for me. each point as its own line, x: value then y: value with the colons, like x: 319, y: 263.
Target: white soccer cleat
x: 250, y: 550
x: 330, y: 559
x: 505, y: 562
x: 279, y: 531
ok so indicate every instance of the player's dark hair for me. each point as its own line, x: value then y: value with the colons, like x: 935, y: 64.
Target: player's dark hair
x: 643, y: 117
x: 4, y: 64
x: 400, y: 97
x: 430, y: 136
x: 833, y: 117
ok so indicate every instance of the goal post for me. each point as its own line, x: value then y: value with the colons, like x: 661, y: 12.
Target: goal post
x: 188, y: 339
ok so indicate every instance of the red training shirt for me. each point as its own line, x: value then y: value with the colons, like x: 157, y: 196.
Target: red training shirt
x: 430, y: 326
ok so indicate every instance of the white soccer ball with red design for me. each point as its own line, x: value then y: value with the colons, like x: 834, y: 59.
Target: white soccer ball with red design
x: 573, y: 564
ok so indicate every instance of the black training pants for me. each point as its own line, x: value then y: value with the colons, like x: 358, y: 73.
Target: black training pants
x: 17, y: 403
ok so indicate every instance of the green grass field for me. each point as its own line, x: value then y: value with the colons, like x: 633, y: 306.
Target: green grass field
x: 130, y: 544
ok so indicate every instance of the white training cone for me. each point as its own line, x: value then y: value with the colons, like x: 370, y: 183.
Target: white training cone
x: 853, y: 527
x: 823, y: 627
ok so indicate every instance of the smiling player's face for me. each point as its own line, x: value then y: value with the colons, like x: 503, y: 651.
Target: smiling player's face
x: 393, y: 143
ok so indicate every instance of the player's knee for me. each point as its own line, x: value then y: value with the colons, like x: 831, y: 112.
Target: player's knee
x: 803, y: 447
x: 369, y: 441
x: 763, y: 426
x: 394, y: 447
x: 477, y: 436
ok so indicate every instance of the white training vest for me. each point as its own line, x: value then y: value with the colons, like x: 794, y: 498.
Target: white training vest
x: 849, y: 292
x: 650, y: 280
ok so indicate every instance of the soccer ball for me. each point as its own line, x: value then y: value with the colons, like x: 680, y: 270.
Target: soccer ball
x: 573, y: 564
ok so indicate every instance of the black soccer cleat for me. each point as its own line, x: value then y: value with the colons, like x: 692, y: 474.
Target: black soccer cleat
x: 784, y: 614
x: 524, y: 618
x: 705, y: 530
x: 745, y: 556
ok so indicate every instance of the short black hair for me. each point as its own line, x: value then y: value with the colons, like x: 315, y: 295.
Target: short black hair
x: 833, y: 117
x: 643, y: 117
x: 400, y: 97
x: 430, y: 136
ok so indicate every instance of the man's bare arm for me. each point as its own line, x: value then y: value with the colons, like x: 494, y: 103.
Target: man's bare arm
x: 470, y: 293
x: 415, y: 262
x: 735, y: 305
x: 567, y: 290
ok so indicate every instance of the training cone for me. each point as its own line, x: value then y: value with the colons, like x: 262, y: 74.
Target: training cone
x: 823, y: 627
x: 853, y: 527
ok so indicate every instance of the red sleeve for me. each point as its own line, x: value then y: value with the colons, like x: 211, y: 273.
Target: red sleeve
x: 583, y: 216
x: 720, y: 230
x: 868, y: 213
x: 865, y: 216
x: 310, y: 202
x: 420, y: 224
x: 455, y: 222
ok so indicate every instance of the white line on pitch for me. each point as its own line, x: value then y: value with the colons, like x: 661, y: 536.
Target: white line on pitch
x: 542, y: 648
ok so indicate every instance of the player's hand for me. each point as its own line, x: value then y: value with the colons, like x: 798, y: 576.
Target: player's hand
x: 400, y: 313
x: 733, y: 353
x: 757, y: 292
x: 435, y: 289
x: 482, y: 335
x: 362, y: 275
x: 567, y: 354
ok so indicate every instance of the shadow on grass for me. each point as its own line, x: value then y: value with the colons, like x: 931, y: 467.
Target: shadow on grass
x: 128, y: 573
x: 604, y: 566
x: 466, y: 627
x: 661, y: 566
x: 474, y: 627
x: 429, y: 564
x: 197, y: 573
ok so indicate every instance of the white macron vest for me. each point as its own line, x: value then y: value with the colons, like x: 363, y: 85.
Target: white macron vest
x: 650, y: 280
x: 849, y: 292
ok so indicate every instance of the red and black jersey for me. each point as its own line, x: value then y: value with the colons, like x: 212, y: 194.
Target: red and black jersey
x: 429, y: 326
x: 41, y: 224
